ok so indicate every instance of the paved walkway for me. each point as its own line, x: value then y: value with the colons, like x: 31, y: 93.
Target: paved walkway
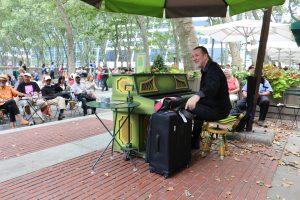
x: 54, y: 161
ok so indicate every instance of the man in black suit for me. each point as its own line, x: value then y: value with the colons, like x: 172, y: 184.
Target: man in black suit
x: 211, y: 102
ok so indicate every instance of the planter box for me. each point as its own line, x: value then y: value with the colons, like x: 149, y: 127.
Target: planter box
x: 194, y: 84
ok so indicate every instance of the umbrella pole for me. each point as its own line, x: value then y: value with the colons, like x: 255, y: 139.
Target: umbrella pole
x: 246, y: 39
x: 222, y: 54
x: 260, y: 61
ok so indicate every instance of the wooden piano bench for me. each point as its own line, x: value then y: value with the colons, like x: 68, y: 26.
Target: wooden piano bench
x: 217, y: 130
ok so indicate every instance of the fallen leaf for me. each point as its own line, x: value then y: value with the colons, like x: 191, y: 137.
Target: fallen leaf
x: 170, y: 189
x: 286, y: 184
x: 150, y: 195
x: 228, y: 193
x: 106, y: 174
x: 218, y: 179
x: 236, y: 159
x: 273, y: 158
x: 13, y: 145
x: 260, y: 183
x: 187, y: 193
x: 245, y: 181
x: 268, y: 186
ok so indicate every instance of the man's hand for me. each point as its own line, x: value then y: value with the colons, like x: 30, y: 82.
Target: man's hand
x: 191, y: 103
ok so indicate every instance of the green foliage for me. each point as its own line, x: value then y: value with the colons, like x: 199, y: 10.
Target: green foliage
x: 159, y: 64
x: 293, y: 77
x: 193, y: 74
x: 174, y: 70
x: 278, y: 79
x: 241, y: 75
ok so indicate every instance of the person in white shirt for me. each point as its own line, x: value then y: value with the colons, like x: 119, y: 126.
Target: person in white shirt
x: 82, y: 95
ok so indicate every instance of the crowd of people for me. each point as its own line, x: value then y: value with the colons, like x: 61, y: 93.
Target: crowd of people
x: 29, y: 94
x: 18, y: 95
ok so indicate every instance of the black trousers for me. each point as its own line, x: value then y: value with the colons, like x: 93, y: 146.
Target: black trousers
x: 84, y: 98
x: 205, y: 113
x: 11, y: 108
x: 104, y: 83
x: 262, y: 101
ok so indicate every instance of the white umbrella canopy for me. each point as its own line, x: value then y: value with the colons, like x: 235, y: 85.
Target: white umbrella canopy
x: 288, y: 55
x: 282, y: 50
x: 246, y: 30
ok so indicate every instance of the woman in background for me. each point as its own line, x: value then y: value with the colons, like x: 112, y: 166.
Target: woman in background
x: 90, y: 85
x: 233, y: 86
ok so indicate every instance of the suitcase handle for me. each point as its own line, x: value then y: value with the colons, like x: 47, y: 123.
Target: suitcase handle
x: 157, y: 142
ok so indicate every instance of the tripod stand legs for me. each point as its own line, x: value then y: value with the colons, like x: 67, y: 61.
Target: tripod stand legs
x: 101, y: 155
x: 128, y: 155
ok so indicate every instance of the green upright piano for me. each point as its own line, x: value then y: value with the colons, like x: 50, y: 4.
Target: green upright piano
x: 147, y: 90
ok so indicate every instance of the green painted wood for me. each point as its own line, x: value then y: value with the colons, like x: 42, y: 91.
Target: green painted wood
x: 240, y: 6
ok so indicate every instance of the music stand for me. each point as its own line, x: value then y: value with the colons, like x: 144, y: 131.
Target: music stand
x: 129, y: 151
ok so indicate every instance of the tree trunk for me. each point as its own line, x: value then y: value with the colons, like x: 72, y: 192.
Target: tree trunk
x: 27, y: 51
x: 103, y: 52
x: 175, y: 37
x: 187, y: 40
x: 234, y: 51
x: 70, y: 37
x: 141, y: 21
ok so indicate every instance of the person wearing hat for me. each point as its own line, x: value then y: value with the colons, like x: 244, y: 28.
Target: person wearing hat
x: 48, y: 92
x: 32, y: 89
x: 82, y: 95
x: 7, y: 93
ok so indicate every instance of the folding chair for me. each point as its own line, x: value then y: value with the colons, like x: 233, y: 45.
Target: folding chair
x: 293, y: 96
x: 35, y: 110
x: 3, y: 117
x: 74, y: 105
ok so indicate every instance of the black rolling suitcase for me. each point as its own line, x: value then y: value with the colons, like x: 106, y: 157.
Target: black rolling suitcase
x: 169, y: 143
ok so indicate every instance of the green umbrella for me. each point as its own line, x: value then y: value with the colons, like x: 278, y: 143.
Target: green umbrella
x: 183, y: 8
x: 295, y: 27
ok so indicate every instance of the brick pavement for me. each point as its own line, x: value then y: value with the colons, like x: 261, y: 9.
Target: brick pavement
x: 241, y: 175
x: 40, y: 138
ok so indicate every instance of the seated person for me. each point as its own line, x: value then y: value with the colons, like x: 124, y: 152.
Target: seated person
x: 48, y: 92
x: 61, y: 87
x: 263, y: 101
x: 33, y: 90
x: 212, y: 102
x: 8, y: 103
x: 90, y: 85
x: 81, y: 94
x: 233, y: 86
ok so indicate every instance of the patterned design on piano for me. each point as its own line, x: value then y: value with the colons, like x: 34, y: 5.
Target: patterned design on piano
x: 121, y: 82
x: 180, y: 83
x: 123, y: 135
x: 148, y: 86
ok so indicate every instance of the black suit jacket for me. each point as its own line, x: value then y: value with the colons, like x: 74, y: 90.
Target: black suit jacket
x: 214, y: 89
